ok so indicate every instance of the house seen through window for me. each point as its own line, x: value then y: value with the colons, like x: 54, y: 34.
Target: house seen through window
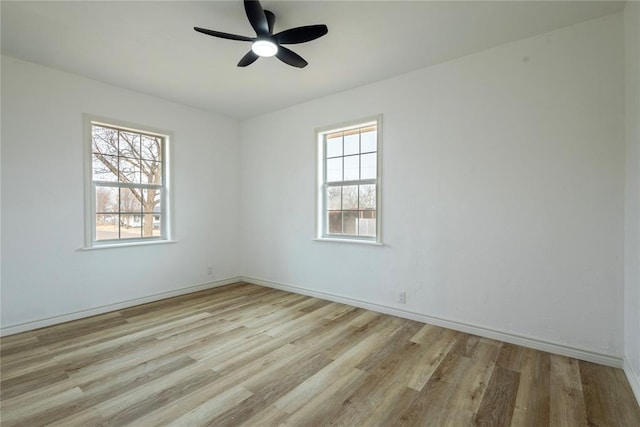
x: 128, y: 184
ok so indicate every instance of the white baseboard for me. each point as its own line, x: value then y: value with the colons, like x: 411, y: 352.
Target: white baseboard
x: 633, y: 378
x: 586, y: 355
x: 41, y: 323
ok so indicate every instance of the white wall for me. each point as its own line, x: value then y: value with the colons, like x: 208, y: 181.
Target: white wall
x: 503, y: 191
x: 632, y: 211
x: 44, y: 273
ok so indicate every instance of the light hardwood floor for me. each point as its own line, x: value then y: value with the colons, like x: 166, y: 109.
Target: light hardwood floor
x: 247, y: 355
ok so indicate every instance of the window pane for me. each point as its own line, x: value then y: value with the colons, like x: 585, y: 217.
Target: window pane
x: 334, y: 198
x: 351, y: 144
x: 350, y: 197
x: 367, y: 197
x: 350, y: 222
x: 334, y: 147
x: 150, y: 149
x: 151, y: 200
x: 151, y: 225
x: 150, y: 172
x: 369, y: 166
x: 368, y: 142
x: 351, y: 166
x: 129, y: 144
x: 334, y: 222
x: 105, y: 140
x: 106, y: 227
x: 104, y: 168
x: 130, y: 226
x: 130, y: 200
x: 129, y: 170
x: 334, y: 170
x: 106, y: 199
x: 367, y: 224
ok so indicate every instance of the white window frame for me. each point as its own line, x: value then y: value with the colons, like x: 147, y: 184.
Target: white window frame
x: 321, y: 202
x: 90, y: 199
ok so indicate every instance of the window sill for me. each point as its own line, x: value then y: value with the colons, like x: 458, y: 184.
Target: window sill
x: 126, y: 245
x: 357, y: 242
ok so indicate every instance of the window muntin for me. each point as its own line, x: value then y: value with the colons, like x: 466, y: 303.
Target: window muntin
x: 128, y: 184
x: 349, y: 182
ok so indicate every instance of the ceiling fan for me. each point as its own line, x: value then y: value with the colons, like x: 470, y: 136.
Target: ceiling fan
x: 266, y: 43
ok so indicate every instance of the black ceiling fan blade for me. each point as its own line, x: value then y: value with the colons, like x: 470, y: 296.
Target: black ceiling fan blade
x: 257, y: 17
x: 290, y: 57
x: 248, y: 59
x: 223, y: 35
x: 271, y: 19
x: 301, y: 34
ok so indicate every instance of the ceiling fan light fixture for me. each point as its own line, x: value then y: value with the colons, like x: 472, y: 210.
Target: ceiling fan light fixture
x: 266, y: 43
x: 264, y: 48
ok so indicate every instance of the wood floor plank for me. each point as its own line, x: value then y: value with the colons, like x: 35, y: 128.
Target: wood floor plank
x: 272, y: 416
x: 273, y: 318
x: 341, y: 368
x: 28, y: 400
x: 160, y: 398
x: 93, y: 396
x: 426, y: 330
x: 512, y: 357
x: 307, y: 322
x: 17, y: 415
x: 267, y: 390
x: 120, y: 338
x: 312, y: 305
x: 18, y: 339
x: 30, y: 382
x: 532, y: 406
x: 247, y: 355
x: 243, y: 355
x: 364, y: 318
x: 133, y: 396
x: 431, y: 407
x: 18, y: 345
x: 433, y: 351
x: 16, y: 360
x: 205, y: 413
x: 567, y: 406
x: 265, y: 383
x: 87, y: 418
x: 496, y: 408
x: 135, y: 376
x: 473, y: 382
x: 99, y: 323
x: 324, y: 403
x: 327, y: 336
x: 268, y: 364
x: 603, y: 404
x: 466, y: 345
x: 119, y: 363
x: 390, y: 412
x: 388, y: 345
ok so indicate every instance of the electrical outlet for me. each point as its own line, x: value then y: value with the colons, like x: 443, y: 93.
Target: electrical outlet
x: 210, y: 270
x: 402, y: 297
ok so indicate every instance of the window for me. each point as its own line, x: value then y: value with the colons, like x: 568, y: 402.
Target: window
x: 127, y: 183
x: 349, y: 182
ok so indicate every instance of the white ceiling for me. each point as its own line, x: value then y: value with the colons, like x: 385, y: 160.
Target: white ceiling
x: 151, y: 47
